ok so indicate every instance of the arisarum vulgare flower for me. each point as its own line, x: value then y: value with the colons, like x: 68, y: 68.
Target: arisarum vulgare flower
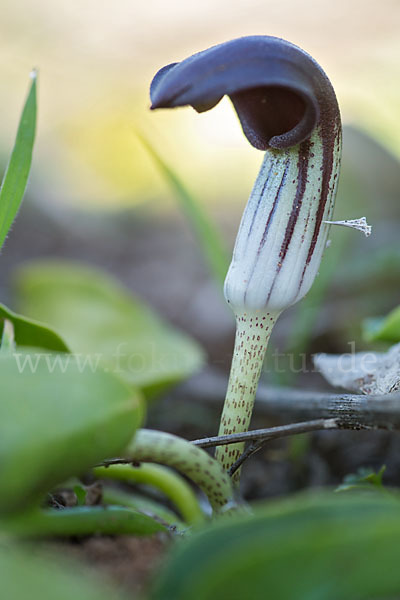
x: 287, y: 107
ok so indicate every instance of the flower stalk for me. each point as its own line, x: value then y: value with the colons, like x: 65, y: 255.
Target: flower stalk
x: 252, y: 335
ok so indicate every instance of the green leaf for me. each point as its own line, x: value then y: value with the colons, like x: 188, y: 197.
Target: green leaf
x: 207, y: 235
x: 386, y: 329
x: 38, y: 576
x: 82, y: 520
x: 114, y: 495
x: 80, y: 493
x: 167, y: 481
x: 32, y: 334
x: 364, y: 479
x: 7, y: 338
x: 98, y: 317
x: 321, y: 548
x: 58, y: 416
x: 17, y: 172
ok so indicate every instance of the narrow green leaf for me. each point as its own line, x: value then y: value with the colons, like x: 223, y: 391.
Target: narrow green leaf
x: 59, y: 416
x: 32, y: 334
x: 170, y: 483
x: 310, y: 548
x: 207, y: 235
x: 82, y: 520
x: 98, y: 317
x: 17, y: 172
x: 7, y: 338
x: 114, y: 495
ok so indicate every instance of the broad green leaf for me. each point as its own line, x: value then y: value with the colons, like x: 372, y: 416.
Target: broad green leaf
x: 59, y: 416
x: 386, y: 329
x: 31, y: 334
x: 17, y: 172
x: 25, y: 574
x: 322, y: 548
x: 209, y: 239
x: 98, y: 317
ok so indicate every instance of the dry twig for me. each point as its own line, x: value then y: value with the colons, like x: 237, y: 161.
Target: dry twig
x: 353, y: 411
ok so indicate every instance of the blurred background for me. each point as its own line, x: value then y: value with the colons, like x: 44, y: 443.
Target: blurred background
x: 96, y: 61
x: 96, y: 194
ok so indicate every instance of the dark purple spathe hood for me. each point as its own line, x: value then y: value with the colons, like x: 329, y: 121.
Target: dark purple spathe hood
x: 279, y: 92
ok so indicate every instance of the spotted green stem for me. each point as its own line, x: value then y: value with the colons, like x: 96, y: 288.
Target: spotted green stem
x: 253, y: 330
x: 164, y: 448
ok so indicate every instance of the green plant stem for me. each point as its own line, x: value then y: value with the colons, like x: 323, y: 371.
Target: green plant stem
x: 164, y: 448
x: 82, y: 520
x: 171, y: 484
x: 253, y: 331
x: 115, y: 496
